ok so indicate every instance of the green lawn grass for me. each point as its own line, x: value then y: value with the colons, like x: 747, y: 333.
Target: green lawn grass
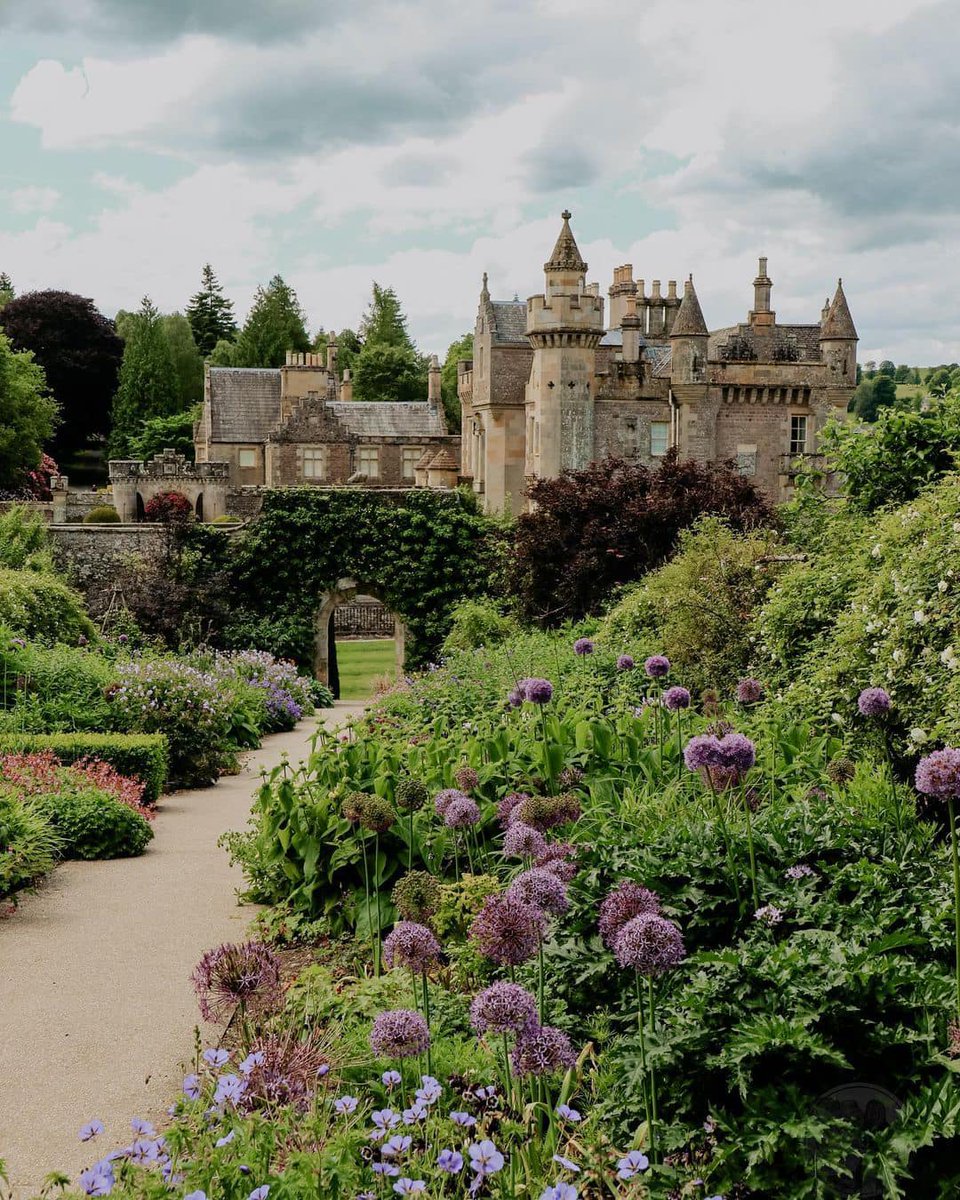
x: 361, y: 663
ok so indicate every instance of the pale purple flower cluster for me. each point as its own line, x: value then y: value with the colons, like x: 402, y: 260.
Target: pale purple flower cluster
x: 650, y: 944
x: 560, y: 858
x: 461, y: 813
x: 626, y: 901
x: 799, y: 871
x: 503, y: 1008
x: 444, y: 799
x: 411, y: 945
x: 874, y: 702
x: 247, y: 974
x: 938, y: 774
x: 523, y: 841
x: 749, y: 691
x: 399, y: 1033
x: 508, y: 931
x: 769, y: 914
x: 583, y: 646
x: 675, y: 698
x: 733, y: 752
x: 541, y: 888
x: 506, y: 806
x: 657, y: 665
x: 541, y: 1050
x: 625, y: 662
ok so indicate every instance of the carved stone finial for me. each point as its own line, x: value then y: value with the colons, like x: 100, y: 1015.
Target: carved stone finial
x: 566, y: 214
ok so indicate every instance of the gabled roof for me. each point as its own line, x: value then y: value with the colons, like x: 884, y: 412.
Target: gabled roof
x: 689, y: 322
x: 444, y: 461
x: 839, y: 323
x: 386, y: 418
x: 244, y: 403
x: 566, y: 254
x: 509, y: 321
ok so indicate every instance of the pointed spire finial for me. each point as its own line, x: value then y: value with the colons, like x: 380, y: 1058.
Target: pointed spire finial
x: 839, y: 323
x: 689, y: 322
x: 484, y: 291
x: 566, y: 254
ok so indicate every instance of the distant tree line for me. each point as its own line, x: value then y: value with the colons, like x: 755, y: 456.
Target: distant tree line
x: 886, y: 385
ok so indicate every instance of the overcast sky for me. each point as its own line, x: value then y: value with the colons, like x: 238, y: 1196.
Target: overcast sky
x: 420, y: 144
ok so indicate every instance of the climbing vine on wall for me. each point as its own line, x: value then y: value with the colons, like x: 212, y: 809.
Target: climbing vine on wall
x: 420, y: 552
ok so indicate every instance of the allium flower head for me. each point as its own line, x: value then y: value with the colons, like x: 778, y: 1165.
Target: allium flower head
x: 507, y: 931
x: 675, y: 698
x: 514, y: 698
x: 506, y: 807
x: 353, y: 806
x: 626, y: 901
x: 769, y: 914
x: 410, y: 795
x: 542, y: 889
x: 583, y: 646
x: 462, y: 813
x: 657, y: 665
x: 874, y: 702
x: 547, y: 812
x: 378, y: 814
x: 416, y: 896
x: 749, y: 691
x: 523, y: 841
x: 288, y: 1069
x: 560, y: 858
x: 650, y: 944
x: 247, y: 974
x: 625, y: 662
x: 938, y: 774
x: 466, y: 779
x: 399, y: 1033
x: 738, y: 753
x: 443, y: 800
x: 411, y: 945
x: 841, y: 770
x: 703, y: 751
x: 541, y: 1050
x: 503, y: 1008
x: 538, y: 691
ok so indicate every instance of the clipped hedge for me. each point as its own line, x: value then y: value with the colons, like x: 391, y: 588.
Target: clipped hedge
x: 141, y: 756
x: 93, y: 825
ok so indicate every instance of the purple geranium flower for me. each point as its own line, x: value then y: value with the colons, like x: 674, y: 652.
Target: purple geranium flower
x: 90, y: 1130
x: 485, y: 1158
x: 450, y: 1161
x: 632, y: 1164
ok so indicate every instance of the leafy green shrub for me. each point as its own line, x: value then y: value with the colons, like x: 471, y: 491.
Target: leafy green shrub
x: 102, y: 514
x: 24, y: 541
x: 58, y: 688
x: 225, y: 519
x: 92, y: 824
x: 475, y: 623
x: 43, y: 607
x: 141, y: 756
x: 29, y: 845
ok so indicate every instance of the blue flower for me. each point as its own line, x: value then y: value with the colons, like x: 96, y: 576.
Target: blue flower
x: 253, y: 1059
x: 485, y: 1158
x: 191, y: 1087
x: 138, y: 1125
x: 216, y: 1058
x: 260, y: 1193
x: 450, y: 1161
x: 464, y: 1119
x: 391, y: 1078
x: 90, y: 1130
x: 632, y: 1164
x: 410, y: 1187
x: 560, y: 1191
x: 385, y: 1168
x: 98, y: 1179
x: 227, y: 1139
x: 396, y: 1145
x: 144, y: 1151
x: 345, y: 1105
x: 230, y: 1088
x: 419, y: 1112
x: 565, y: 1163
x: 566, y: 1113
x: 196, y: 1196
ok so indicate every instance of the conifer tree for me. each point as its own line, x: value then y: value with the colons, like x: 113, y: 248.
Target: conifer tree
x: 388, y: 366
x: 148, y: 380
x: 384, y: 322
x: 274, y: 325
x: 210, y: 313
x: 6, y: 289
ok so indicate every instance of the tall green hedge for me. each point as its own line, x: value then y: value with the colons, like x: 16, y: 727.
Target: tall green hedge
x: 42, y: 607
x: 142, y: 756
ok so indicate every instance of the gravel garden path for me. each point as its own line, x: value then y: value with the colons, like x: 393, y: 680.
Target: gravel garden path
x: 96, y: 1008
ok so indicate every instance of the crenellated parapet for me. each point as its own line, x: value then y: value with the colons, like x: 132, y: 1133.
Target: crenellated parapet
x: 135, y: 483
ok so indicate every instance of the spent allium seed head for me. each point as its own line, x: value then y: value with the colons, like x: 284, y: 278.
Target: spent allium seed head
x: 570, y: 777
x: 466, y: 779
x: 286, y: 1068
x: 416, y: 896
x: 523, y: 841
x: 378, y: 814
x: 841, y: 770
x: 560, y: 858
x: 625, y: 662
x: 399, y: 1033
x: 506, y: 807
x: 650, y: 944
x: 411, y: 945
x: 503, y: 1008
x: 443, y: 800
x: 507, y: 931
x: 583, y: 646
x: 703, y: 750
x: 542, y: 889
x: 538, y: 691
x: 410, y: 795
x: 542, y: 1050
x: 874, y: 702
x: 938, y: 774
x: 626, y: 901
x: 657, y: 665
x: 749, y: 691
x: 738, y: 753
x: 547, y: 812
x: 676, y: 698
x: 462, y: 813
x: 353, y: 806
x: 230, y: 975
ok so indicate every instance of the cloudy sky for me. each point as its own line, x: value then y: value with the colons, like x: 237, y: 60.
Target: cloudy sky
x: 422, y: 143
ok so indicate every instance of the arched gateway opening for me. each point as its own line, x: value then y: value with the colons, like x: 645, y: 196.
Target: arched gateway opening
x: 325, y: 663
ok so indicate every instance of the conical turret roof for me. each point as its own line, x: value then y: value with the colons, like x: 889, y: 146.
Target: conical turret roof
x: 838, y: 323
x: 566, y: 254
x: 689, y: 322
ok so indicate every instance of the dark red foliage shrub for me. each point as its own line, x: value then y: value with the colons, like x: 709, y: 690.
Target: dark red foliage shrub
x: 607, y: 525
x: 170, y: 508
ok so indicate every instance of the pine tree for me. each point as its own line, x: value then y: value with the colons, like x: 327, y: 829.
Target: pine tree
x: 210, y: 313
x: 6, y: 289
x: 148, y: 380
x: 274, y: 325
x: 384, y: 323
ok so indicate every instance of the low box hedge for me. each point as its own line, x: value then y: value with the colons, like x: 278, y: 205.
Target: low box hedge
x: 142, y: 756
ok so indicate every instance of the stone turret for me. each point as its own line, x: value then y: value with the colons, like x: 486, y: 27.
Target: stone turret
x: 838, y: 338
x: 688, y: 338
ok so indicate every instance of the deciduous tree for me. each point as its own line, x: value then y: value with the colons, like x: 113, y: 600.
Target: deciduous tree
x: 148, y: 381
x: 389, y: 373
x: 461, y: 348
x: 27, y: 414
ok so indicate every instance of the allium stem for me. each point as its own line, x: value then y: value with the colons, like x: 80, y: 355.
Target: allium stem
x: 426, y: 1017
x: 753, y: 859
x: 721, y: 822
x: 956, y: 897
x: 679, y: 747
x: 547, y: 768
x: 410, y: 846
x: 653, y: 1081
x: 641, y: 1021
x: 895, y: 795
x: 376, y: 868
x: 540, y: 980
x: 366, y: 889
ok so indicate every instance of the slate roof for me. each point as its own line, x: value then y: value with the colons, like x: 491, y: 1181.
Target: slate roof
x: 566, y: 254
x: 509, y: 321
x: 689, y: 320
x: 839, y: 322
x: 806, y: 339
x: 244, y: 403
x: 383, y: 418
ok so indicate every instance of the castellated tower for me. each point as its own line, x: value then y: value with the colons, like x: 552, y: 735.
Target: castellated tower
x: 564, y: 327
x: 838, y: 340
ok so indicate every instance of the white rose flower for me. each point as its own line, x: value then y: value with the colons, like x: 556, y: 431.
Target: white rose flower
x: 919, y: 617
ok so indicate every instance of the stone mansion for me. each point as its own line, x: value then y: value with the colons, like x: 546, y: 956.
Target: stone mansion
x: 552, y: 386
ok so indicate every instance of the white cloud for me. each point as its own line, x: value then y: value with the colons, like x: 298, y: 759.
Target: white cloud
x: 32, y: 199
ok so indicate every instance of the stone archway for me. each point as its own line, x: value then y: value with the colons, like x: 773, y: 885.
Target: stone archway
x: 345, y: 591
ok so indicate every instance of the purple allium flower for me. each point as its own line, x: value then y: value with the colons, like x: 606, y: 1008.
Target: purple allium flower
x: 738, y: 753
x: 583, y: 646
x: 463, y: 1119
x: 566, y: 1113
x: 444, y: 799
x: 411, y: 945
x: 290, y: 1069
x: 938, y: 774
x: 461, y: 814
x: 523, y: 841
x: 542, y: 889
x: 625, y: 662
x: 657, y: 665
x: 191, y: 1087
x: 650, y: 944
x: 485, y: 1158
x: 90, y: 1130
x: 507, y: 931
x: 247, y: 974
x: 230, y: 1089
x: 560, y: 858
x: 450, y: 1161
x: 676, y: 698
x: 538, y: 691
x: 506, y: 807
x: 515, y: 698
x: 769, y: 914
x: 541, y: 1050
x: 399, y: 1033
x: 98, y: 1179
x: 632, y: 1164
x: 800, y: 871
x: 749, y: 691
x: 466, y: 779
x: 874, y: 702
x: 703, y: 750
x: 502, y: 1008
x: 626, y: 901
